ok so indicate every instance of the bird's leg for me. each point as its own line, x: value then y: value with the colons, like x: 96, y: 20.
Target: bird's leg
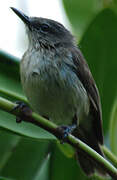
x: 68, y: 129
x: 24, y: 109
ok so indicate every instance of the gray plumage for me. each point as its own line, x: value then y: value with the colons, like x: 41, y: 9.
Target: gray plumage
x: 58, y: 83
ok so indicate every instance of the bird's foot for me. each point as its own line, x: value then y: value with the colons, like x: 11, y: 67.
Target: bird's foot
x: 65, y: 131
x: 24, y: 109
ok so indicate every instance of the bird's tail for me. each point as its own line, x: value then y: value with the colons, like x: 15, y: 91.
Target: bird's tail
x: 88, y: 165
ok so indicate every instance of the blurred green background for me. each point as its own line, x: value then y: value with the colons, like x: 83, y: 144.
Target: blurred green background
x: 30, y: 153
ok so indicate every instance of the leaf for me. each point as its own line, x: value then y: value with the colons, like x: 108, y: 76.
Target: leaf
x: 63, y: 168
x: 26, y: 160
x: 9, y: 72
x: 44, y: 171
x: 99, y: 48
x: 113, y: 128
x: 7, y: 144
x: 4, y: 178
x: 8, y: 122
x: 81, y: 13
x: 112, y: 4
x: 67, y: 150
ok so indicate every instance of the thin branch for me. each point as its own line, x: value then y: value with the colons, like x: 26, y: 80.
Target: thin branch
x: 36, y: 119
x: 110, y: 155
x: 14, y: 95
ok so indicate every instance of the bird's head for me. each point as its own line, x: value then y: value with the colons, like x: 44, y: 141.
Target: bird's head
x: 45, y: 31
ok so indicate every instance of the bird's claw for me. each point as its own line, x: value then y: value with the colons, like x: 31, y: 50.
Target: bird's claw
x: 24, y: 109
x: 65, y: 131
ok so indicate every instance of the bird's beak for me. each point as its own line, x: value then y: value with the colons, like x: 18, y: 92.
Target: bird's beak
x: 22, y: 16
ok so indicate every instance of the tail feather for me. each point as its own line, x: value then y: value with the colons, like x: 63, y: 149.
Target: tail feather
x: 85, y: 162
x: 88, y: 165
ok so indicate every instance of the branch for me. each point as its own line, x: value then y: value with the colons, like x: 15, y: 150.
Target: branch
x: 110, y: 156
x: 37, y: 120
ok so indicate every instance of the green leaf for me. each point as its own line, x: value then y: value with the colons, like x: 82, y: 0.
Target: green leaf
x: 63, y: 168
x: 81, y: 13
x: 112, y: 4
x: 26, y: 160
x: 113, y: 128
x: 67, y: 150
x: 9, y: 72
x: 8, y: 122
x: 4, y: 178
x: 99, y: 48
x: 8, y: 143
x: 44, y: 171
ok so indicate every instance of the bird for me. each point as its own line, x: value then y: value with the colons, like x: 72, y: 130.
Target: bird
x: 58, y: 84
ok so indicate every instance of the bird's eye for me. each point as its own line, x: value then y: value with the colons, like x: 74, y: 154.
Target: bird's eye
x: 44, y: 27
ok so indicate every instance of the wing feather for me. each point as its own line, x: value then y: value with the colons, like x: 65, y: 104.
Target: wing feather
x: 83, y: 72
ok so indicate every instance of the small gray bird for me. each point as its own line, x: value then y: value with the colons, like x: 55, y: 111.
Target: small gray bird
x: 59, y: 85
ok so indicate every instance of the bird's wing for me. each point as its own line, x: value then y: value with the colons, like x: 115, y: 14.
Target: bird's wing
x: 83, y: 72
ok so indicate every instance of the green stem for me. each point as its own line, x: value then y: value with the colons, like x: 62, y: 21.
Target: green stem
x: 110, y: 155
x: 52, y: 128
x: 13, y: 95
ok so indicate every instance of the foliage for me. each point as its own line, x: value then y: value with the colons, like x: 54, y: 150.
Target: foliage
x: 28, y: 152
